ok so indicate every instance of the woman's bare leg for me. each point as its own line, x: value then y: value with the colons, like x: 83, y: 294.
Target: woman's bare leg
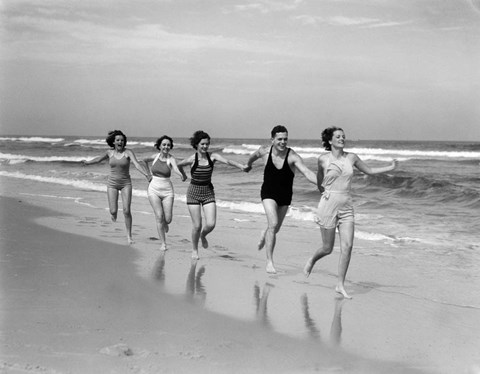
x: 328, y: 241
x: 126, y: 203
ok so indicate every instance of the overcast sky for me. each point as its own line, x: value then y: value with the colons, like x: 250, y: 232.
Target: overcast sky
x: 381, y: 69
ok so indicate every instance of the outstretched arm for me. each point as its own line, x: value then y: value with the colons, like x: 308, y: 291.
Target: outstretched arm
x: 146, y: 160
x: 139, y: 167
x: 364, y: 168
x: 186, y: 161
x: 300, y: 165
x: 219, y: 158
x: 259, y: 153
x: 96, y: 160
x: 178, y: 170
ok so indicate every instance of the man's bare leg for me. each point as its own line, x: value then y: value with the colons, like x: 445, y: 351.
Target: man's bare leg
x: 275, y: 216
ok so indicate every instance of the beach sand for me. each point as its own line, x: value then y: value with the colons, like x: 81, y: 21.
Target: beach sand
x: 76, y: 299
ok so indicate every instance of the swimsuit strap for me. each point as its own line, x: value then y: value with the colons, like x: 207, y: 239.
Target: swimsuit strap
x: 156, y: 159
x: 271, y: 160
x: 195, y: 164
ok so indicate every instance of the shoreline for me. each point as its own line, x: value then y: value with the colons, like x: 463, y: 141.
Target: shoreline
x: 214, y: 313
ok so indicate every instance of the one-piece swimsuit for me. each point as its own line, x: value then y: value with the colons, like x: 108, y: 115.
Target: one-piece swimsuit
x: 277, y: 183
x: 200, y: 190
x: 335, y: 206
x: 119, y: 171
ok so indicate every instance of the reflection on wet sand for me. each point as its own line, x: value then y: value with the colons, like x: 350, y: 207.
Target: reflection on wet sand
x: 194, y: 288
x: 336, y: 326
x: 309, y: 322
x: 261, y: 299
x: 159, y: 268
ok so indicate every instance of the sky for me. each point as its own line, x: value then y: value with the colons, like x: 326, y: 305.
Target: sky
x: 380, y: 69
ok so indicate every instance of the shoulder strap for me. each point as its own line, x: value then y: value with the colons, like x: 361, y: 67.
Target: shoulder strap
x: 285, y: 162
x: 210, y: 162
x: 156, y: 158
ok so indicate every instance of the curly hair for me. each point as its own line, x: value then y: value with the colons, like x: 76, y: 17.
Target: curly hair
x: 197, y: 137
x: 278, y: 128
x: 111, y: 137
x: 161, y: 139
x: 327, y: 135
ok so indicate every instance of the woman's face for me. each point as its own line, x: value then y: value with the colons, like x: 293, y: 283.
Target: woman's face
x: 119, y: 142
x: 338, y: 139
x: 203, y: 145
x: 165, y: 146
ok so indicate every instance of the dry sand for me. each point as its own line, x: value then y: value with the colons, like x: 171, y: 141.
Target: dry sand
x: 76, y: 299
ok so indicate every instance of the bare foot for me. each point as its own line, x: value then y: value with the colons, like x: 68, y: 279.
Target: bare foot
x: 341, y: 290
x: 261, y: 243
x: 270, y: 268
x: 204, y: 241
x: 308, y: 268
x: 195, y: 255
x: 163, y: 247
x: 130, y: 240
x: 113, y: 217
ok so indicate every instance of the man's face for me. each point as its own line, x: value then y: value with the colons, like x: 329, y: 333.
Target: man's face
x: 280, y: 141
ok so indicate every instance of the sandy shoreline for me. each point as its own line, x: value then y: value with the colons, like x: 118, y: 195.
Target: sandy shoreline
x: 76, y: 299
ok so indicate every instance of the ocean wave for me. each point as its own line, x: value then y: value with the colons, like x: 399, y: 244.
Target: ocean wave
x: 436, y: 190
x: 370, y: 236
x: 32, y: 139
x: 415, y: 153
x: 76, y: 200
x: 12, y: 159
x: 377, y: 154
x: 82, y: 184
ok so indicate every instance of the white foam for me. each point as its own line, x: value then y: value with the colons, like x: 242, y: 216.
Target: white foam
x: 377, y: 154
x: 77, y: 200
x: 18, y: 158
x: 32, y: 139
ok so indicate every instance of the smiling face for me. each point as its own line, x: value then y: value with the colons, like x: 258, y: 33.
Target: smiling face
x: 119, y: 142
x: 338, y: 139
x: 203, y: 145
x: 280, y: 141
x: 165, y: 146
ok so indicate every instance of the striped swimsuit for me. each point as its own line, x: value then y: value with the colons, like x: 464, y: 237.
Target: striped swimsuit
x: 200, y: 191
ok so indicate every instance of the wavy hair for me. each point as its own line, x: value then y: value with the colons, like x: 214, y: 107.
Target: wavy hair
x: 111, y: 137
x: 327, y: 136
x: 197, y: 137
x: 161, y: 139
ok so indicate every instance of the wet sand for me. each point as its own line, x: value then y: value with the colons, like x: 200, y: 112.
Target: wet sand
x: 76, y: 299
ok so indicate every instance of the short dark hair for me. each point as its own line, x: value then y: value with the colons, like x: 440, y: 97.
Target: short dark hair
x: 111, y: 137
x: 161, y: 139
x: 327, y: 135
x: 197, y: 137
x: 278, y: 128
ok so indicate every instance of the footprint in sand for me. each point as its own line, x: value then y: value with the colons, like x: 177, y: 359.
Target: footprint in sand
x: 231, y: 258
x: 220, y: 248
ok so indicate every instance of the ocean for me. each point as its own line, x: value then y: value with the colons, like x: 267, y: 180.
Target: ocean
x: 424, y: 216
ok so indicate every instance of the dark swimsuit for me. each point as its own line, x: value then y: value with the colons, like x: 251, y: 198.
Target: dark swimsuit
x: 277, y: 183
x: 200, y: 191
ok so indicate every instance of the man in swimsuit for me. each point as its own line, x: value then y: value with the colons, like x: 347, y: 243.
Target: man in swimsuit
x: 276, y: 193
